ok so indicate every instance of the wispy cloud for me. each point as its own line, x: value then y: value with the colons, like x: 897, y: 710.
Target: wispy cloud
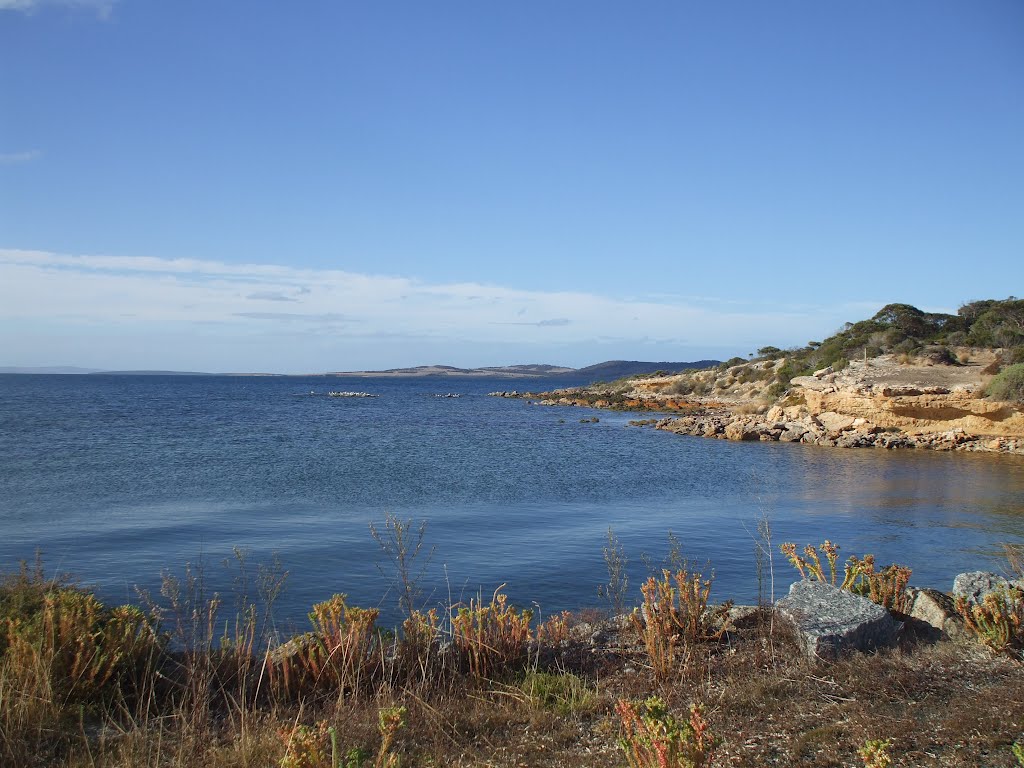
x: 290, y: 317
x: 270, y: 296
x: 14, y: 158
x: 66, y: 296
x: 102, y: 8
x: 556, y: 322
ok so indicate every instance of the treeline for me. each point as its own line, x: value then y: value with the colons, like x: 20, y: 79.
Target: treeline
x: 904, y: 329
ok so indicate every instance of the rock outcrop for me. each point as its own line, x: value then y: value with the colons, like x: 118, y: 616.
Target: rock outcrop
x: 880, y: 402
x: 874, y: 403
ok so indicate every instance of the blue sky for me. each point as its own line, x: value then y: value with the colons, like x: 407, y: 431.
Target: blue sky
x: 339, y: 185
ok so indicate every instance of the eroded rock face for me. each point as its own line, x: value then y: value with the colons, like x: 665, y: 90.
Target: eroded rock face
x: 917, y: 399
x: 830, y: 621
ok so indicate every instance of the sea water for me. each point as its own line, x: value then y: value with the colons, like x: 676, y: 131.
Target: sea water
x: 120, y: 479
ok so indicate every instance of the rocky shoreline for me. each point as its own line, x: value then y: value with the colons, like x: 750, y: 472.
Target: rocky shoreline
x: 831, y: 429
x: 873, y: 403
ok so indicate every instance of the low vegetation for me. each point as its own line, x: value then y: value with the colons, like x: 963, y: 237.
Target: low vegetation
x: 181, y: 681
x: 902, y: 330
x: 998, y: 620
x: 905, y: 329
x: 1008, y: 384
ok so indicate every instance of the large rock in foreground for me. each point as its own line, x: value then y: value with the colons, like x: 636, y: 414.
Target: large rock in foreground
x: 830, y: 621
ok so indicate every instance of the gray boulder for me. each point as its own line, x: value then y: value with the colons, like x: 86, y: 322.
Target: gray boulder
x: 974, y: 585
x: 830, y: 621
x: 793, y: 432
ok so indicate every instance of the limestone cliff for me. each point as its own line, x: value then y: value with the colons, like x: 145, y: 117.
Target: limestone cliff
x: 885, y: 401
x: 917, y: 399
x: 879, y: 402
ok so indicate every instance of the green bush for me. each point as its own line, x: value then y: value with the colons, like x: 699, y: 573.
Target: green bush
x: 940, y: 355
x: 1008, y: 385
x: 681, y: 387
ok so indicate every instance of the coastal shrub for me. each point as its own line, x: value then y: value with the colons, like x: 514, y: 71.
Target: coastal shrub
x: 875, y: 753
x: 902, y: 329
x: 402, y: 542
x: 22, y: 595
x: 561, y: 692
x: 344, y: 642
x: 887, y: 587
x: 998, y: 620
x: 317, y: 746
x: 338, y: 654
x: 1008, y: 384
x: 675, y: 616
x: 62, y: 654
x: 390, y: 720
x: 940, y: 355
x: 555, y: 630
x: 810, y: 566
x: 310, y: 746
x: 908, y: 347
x: 88, y: 651
x: 653, y: 738
x: 681, y: 387
x: 995, y: 323
x: 492, y: 636
x: 616, y: 562
x: 420, y: 638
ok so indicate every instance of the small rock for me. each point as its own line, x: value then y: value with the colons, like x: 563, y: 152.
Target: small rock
x: 793, y: 434
x: 739, y: 430
x: 742, y: 616
x: 936, y: 610
x: 835, y: 422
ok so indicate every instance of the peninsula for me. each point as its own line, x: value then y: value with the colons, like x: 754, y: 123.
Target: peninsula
x: 901, y: 379
x: 610, y: 368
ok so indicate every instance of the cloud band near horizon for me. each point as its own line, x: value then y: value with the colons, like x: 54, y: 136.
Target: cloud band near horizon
x: 191, y: 300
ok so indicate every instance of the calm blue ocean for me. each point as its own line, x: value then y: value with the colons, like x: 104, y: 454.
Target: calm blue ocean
x: 117, y: 478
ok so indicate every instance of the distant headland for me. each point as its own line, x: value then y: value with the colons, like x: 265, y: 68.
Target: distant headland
x: 611, y: 369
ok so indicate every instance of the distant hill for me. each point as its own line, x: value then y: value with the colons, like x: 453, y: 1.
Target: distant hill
x: 64, y: 369
x: 504, y: 371
x: 613, y: 369
x: 616, y: 369
x: 152, y: 373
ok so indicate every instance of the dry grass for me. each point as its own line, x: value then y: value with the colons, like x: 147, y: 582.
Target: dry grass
x: 537, y: 697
